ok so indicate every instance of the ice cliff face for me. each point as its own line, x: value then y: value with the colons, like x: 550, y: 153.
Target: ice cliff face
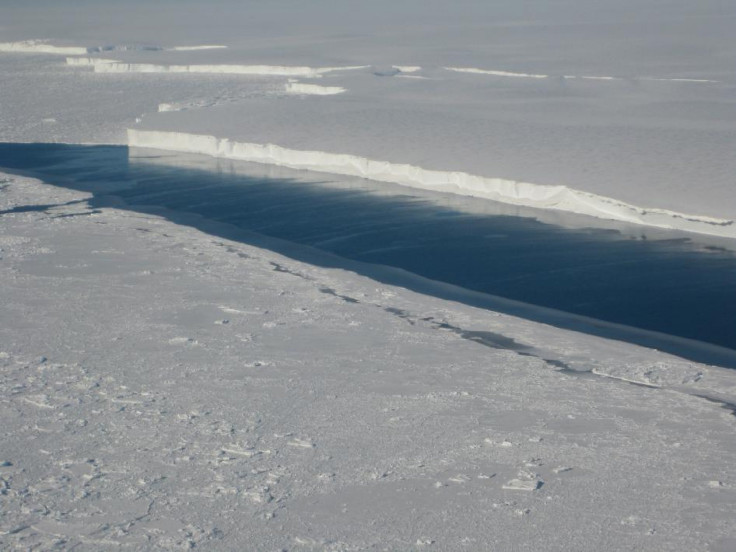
x: 497, y: 189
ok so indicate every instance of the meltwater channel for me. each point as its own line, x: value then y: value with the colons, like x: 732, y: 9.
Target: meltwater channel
x: 668, y: 282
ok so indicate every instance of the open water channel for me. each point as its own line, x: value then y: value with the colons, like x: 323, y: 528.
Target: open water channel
x: 672, y: 283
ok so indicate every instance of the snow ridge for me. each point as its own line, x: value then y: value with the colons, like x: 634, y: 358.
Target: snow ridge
x: 497, y: 189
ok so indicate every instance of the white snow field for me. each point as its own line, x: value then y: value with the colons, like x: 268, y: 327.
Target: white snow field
x: 162, y: 388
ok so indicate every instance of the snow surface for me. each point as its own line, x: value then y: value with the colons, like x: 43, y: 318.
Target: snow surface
x: 164, y: 388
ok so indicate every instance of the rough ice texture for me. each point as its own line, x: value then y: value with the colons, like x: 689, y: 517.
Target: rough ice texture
x: 242, y: 400
x: 313, y: 418
x: 497, y: 189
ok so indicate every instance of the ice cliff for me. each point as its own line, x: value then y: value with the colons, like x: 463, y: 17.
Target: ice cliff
x: 497, y: 189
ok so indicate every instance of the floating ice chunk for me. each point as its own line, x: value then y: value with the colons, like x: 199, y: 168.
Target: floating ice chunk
x: 522, y: 485
x: 459, y: 478
x: 301, y: 443
x: 313, y: 89
x: 407, y: 68
x: 240, y: 451
x: 165, y: 107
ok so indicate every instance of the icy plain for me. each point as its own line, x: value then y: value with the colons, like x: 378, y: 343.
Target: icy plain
x: 162, y: 388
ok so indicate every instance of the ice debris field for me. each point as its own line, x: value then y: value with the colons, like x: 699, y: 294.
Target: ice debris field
x: 168, y: 382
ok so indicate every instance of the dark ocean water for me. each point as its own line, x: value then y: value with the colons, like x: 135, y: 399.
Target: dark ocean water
x: 667, y: 282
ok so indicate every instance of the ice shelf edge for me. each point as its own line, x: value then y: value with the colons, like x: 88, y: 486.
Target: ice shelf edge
x: 497, y: 189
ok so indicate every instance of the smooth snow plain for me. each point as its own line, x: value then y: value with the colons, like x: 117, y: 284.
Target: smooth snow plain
x: 163, y: 388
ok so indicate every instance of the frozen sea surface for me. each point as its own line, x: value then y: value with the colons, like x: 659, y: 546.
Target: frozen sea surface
x: 650, y: 279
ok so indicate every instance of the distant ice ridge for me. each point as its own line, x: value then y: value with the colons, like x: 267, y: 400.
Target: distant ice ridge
x: 88, y: 61
x: 275, y: 70
x: 678, y: 80
x: 42, y: 47
x: 497, y: 189
x: 201, y: 47
x: 493, y: 73
x: 295, y: 87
